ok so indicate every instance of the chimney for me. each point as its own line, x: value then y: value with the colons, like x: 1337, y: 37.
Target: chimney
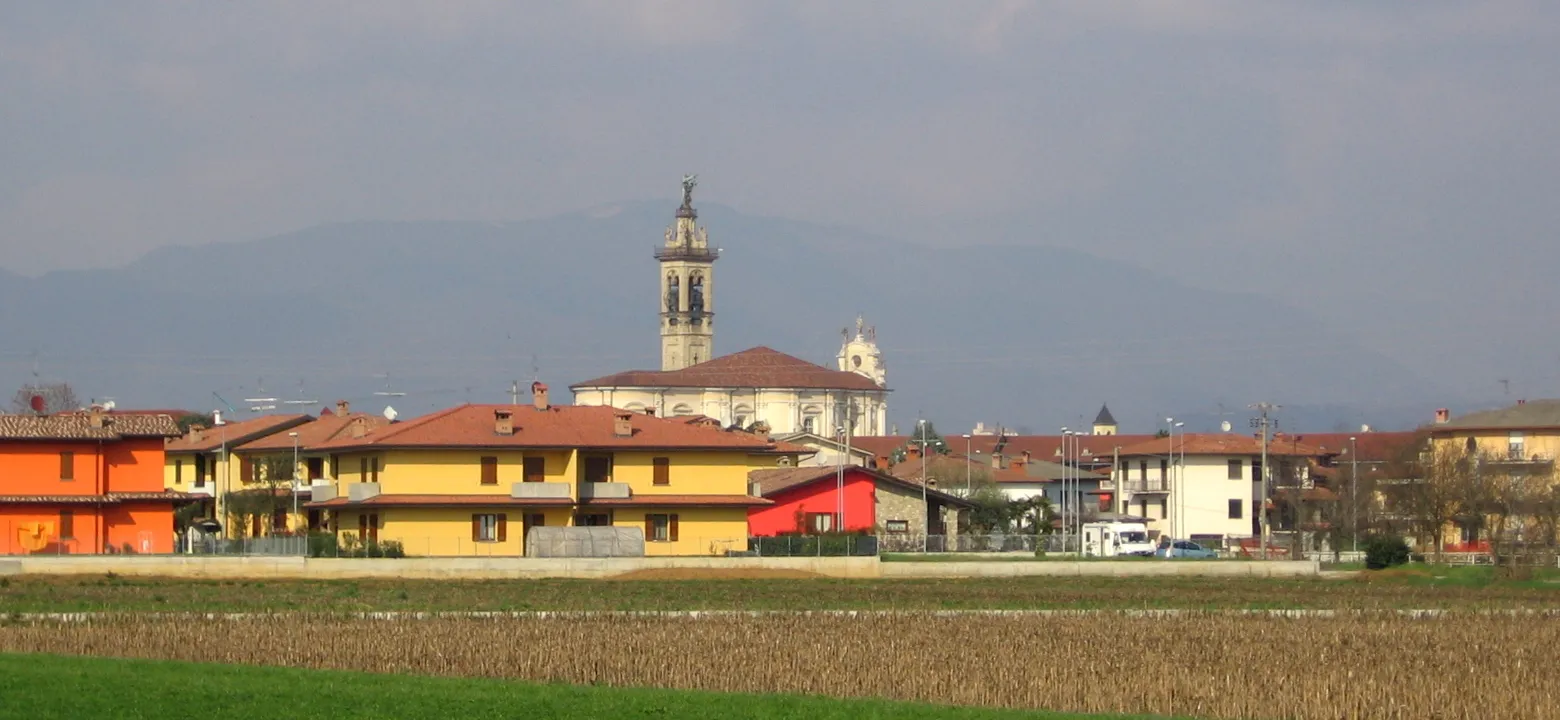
x: 880, y: 462
x: 1523, y: 401
x: 1443, y: 416
x: 622, y: 424
x: 1027, y: 456
x: 754, y: 489
x: 359, y: 427
x: 96, y: 418
x: 343, y: 408
x: 996, y: 461
x: 912, y: 452
x: 503, y: 422
x: 196, y: 432
x: 539, y: 395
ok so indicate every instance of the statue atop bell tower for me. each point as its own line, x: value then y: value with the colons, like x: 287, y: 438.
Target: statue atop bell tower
x: 687, y: 287
x: 860, y: 354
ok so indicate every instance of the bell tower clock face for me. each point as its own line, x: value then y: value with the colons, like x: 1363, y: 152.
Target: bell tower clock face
x: 855, y: 360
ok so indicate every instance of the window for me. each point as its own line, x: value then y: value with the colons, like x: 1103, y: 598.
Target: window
x: 1164, y: 469
x: 1143, y: 470
x: 820, y: 522
x: 1514, y: 445
x: 374, y: 466
x: 335, y: 467
x: 67, y: 465
x: 535, y: 469
x: 489, y: 470
x: 807, y: 424
x: 200, y: 471
x: 67, y: 525
x: 316, y: 468
x: 663, y: 471
x: 246, y: 470
x: 536, y: 520
x: 598, y: 468
x: 661, y: 528
x: 1235, y: 508
x: 1236, y: 470
x: 489, y: 527
x: 178, y: 472
x: 368, y: 527
x: 363, y: 469
x: 592, y: 520
x: 898, y: 526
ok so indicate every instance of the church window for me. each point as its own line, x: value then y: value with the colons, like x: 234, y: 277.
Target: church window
x: 682, y: 409
x: 807, y: 424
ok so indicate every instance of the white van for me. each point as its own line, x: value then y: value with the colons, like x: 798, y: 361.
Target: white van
x: 1112, y: 539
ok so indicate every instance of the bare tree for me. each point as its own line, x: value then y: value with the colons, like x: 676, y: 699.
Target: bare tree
x: 1427, y: 489
x: 52, y: 397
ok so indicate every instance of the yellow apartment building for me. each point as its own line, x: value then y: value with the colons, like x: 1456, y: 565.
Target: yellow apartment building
x: 1517, y: 441
x: 473, y: 480
x: 205, y: 462
x: 274, y: 454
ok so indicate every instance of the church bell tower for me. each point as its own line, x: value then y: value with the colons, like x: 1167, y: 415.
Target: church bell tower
x: 687, y: 288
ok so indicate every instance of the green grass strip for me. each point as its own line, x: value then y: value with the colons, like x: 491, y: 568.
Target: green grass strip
x: 41, y: 687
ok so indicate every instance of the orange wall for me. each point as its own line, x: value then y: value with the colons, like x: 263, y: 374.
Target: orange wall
x: 33, y: 468
x: 146, y: 527
x: 135, y: 465
x: 88, y: 529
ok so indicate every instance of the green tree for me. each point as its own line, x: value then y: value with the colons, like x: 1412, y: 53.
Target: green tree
x: 933, y: 443
x: 185, y: 422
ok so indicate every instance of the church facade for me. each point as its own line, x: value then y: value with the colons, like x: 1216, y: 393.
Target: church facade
x: 755, y: 388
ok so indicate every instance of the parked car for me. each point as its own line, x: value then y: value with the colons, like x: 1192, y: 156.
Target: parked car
x: 1185, y: 549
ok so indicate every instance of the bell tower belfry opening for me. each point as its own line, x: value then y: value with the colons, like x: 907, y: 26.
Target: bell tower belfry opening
x: 687, y: 266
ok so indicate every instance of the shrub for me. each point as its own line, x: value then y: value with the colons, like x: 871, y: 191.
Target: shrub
x: 1384, y: 552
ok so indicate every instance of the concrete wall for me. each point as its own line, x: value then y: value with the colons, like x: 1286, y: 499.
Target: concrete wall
x: 423, y: 568
x: 1137, y: 568
x: 531, y: 568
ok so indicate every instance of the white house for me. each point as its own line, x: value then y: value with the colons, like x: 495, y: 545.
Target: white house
x: 1205, y: 487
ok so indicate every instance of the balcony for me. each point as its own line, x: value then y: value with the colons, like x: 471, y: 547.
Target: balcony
x: 593, y: 490
x: 1158, y: 485
x: 1516, y: 460
x: 686, y: 253
x: 536, y: 490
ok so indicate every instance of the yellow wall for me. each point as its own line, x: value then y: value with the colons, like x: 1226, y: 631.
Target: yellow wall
x: 447, y: 531
x: 690, y: 473
x: 701, y: 531
x: 1535, y: 442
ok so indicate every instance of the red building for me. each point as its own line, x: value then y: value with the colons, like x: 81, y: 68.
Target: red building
x: 88, y: 482
x: 808, y: 500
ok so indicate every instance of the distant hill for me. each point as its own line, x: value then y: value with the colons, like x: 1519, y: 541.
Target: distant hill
x: 1026, y: 336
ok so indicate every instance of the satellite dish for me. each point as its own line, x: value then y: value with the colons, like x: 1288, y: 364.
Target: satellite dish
x: 390, y: 413
x: 1225, y: 426
x: 36, y: 403
x: 108, y: 405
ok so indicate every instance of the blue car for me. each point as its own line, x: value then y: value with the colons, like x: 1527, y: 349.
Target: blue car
x: 1184, y: 549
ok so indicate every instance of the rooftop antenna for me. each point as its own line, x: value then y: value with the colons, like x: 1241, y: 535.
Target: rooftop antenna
x: 301, y: 397
x: 262, y: 403
x: 536, y: 371
x: 387, y: 392
x: 514, y: 392
x: 1505, y: 384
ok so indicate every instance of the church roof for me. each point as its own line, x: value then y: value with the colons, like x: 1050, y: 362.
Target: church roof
x: 1104, y: 418
x: 759, y: 367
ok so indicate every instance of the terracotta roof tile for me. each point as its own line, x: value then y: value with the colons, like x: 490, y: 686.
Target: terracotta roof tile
x: 327, y: 428
x: 1222, y: 444
x: 1372, y: 446
x: 235, y: 434
x: 560, y: 426
x: 759, y: 367
x: 679, y: 501
x: 108, y: 499
x: 1526, y: 415
x: 79, y: 426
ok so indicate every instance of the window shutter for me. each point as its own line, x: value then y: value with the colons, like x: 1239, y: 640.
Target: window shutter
x: 67, y: 465
x: 362, y: 527
x: 503, y: 527
x: 671, y: 529
x: 649, y: 528
x: 476, y: 528
x: 663, y: 471
x: 376, y: 469
x: 535, y: 469
x: 489, y: 470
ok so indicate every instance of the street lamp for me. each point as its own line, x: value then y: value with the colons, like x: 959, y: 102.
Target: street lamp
x: 926, y: 512
x: 968, y: 443
x: 294, y: 436
x: 1178, y: 470
x: 1170, y: 481
x: 1354, y: 488
x: 1066, y: 480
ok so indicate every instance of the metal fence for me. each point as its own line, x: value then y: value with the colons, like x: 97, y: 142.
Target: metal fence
x: 977, y: 543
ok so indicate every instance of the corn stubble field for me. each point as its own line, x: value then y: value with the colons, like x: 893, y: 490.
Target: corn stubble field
x: 1211, y: 665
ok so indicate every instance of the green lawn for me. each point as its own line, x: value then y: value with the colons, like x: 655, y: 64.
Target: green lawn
x: 41, y: 687
x: 1417, y: 587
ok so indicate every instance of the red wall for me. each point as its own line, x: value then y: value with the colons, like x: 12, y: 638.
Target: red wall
x: 818, y: 497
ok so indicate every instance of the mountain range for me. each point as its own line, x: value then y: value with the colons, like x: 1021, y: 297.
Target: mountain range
x: 428, y: 314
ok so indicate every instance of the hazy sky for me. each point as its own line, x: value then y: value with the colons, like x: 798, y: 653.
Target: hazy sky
x: 1392, y: 167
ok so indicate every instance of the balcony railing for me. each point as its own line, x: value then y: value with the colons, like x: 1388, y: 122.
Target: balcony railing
x: 1157, y: 485
x: 686, y: 253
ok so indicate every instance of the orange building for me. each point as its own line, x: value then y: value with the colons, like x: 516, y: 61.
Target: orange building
x: 85, y: 483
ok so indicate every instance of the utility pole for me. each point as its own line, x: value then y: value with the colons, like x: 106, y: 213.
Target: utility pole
x: 1354, y: 489
x: 1263, y: 423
